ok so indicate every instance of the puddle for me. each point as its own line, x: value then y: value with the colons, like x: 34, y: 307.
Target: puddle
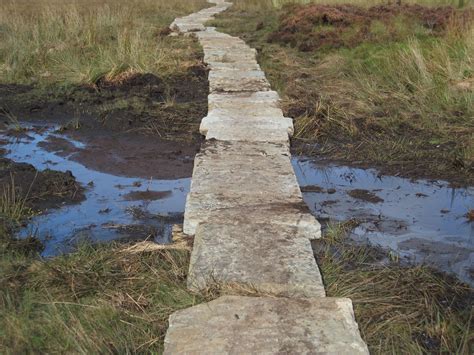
x: 421, y: 221
x: 115, y: 207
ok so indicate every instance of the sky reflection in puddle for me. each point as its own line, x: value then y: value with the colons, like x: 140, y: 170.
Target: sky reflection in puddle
x: 420, y: 220
x: 105, y: 212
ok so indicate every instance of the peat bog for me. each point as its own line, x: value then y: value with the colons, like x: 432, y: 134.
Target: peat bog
x: 100, y: 111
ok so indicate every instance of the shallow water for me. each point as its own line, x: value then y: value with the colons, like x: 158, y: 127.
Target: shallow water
x: 108, y: 212
x: 423, y: 221
x: 418, y: 220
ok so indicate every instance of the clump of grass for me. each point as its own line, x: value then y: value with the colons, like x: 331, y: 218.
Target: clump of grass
x: 399, y: 309
x: 15, y: 211
x: 13, y: 205
x: 12, y: 119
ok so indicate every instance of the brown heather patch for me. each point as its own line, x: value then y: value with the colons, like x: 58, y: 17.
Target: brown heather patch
x: 310, y: 27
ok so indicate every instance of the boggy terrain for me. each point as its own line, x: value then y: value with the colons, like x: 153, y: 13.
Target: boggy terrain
x: 107, y: 298
x: 135, y: 125
x: 385, y: 86
x: 27, y: 192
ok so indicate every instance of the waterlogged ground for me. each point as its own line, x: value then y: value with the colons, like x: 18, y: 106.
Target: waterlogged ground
x: 115, y: 207
x: 421, y: 221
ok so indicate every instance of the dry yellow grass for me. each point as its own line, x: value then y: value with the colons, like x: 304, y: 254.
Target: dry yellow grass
x: 79, y: 41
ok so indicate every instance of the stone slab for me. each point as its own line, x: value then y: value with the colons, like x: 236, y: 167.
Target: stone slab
x: 250, y: 325
x: 220, y: 42
x: 249, y: 65
x: 226, y: 56
x: 247, y: 128
x: 254, y: 122
x: 250, y: 101
x: 244, y: 168
x: 228, y: 80
x: 256, y: 132
x: 195, y: 21
x: 271, y: 209
x: 210, y: 33
x: 186, y: 26
x: 269, y: 258
x: 236, y: 179
x: 248, y: 111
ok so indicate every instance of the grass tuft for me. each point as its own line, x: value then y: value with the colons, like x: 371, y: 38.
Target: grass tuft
x: 13, y: 205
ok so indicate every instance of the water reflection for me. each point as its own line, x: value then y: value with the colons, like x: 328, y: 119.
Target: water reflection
x: 420, y: 220
x: 108, y: 211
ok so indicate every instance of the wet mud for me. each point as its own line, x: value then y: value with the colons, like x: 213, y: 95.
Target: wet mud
x: 111, y: 160
x: 127, y: 154
x: 420, y: 221
x: 124, y: 123
x: 40, y: 190
x: 147, y: 195
x: 364, y: 195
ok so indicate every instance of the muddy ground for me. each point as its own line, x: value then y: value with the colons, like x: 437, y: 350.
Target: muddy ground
x: 40, y: 190
x: 27, y: 192
x: 137, y: 125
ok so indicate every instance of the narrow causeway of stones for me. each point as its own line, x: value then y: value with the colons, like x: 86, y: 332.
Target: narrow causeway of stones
x: 250, y: 224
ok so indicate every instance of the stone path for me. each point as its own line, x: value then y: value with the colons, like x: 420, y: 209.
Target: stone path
x: 250, y: 224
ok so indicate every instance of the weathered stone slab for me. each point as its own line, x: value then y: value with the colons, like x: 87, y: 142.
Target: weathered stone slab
x: 244, y: 168
x: 210, y: 33
x: 248, y: 65
x: 270, y: 258
x: 248, y: 111
x: 244, y: 178
x: 246, y: 127
x: 223, y: 44
x: 271, y: 209
x: 217, y: 40
x: 235, y: 179
x: 250, y: 101
x: 225, y: 56
x: 187, y: 26
x: 195, y: 22
x: 244, y: 120
x: 262, y: 325
x: 237, y: 80
x: 260, y: 131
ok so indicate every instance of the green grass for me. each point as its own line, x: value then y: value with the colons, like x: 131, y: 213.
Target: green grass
x: 81, y: 41
x: 104, y: 299
x: 96, y: 300
x: 13, y: 205
x: 400, y: 310
x: 401, y: 100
